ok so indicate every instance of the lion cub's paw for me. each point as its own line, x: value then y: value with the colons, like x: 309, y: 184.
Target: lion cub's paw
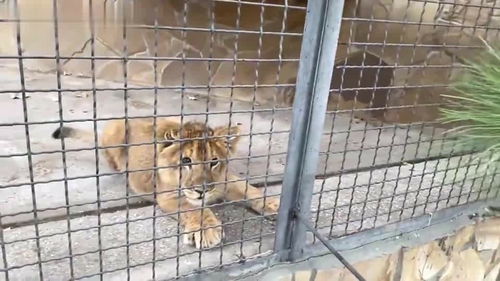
x: 272, y: 205
x: 209, y: 237
x: 269, y: 207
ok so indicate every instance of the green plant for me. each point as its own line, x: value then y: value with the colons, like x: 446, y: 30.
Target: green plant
x: 475, y: 109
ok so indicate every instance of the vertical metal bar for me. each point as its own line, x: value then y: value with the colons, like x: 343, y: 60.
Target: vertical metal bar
x: 127, y: 130
x: 61, y: 123
x: 231, y: 103
x: 350, y: 40
x: 155, y: 141
x: 4, y: 253
x: 96, y: 135
x: 185, y: 11
x: 22, y: 81
x: 252, y: 116
x: 471, y: 159
x: 204, y: 205
x: 273, y: 115
x: 351, y: 122
x: 317, y: 57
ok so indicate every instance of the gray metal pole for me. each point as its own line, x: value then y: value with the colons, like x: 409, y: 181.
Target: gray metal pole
x: 317, y: 57
x: 330, y: 247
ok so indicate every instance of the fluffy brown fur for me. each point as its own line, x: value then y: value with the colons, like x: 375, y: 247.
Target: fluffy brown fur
x: 194, y: 165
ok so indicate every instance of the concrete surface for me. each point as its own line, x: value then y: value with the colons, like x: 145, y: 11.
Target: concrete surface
x: 113, y: 231
x: 113, y: 237
x: 85, y: 244
x: 16, y: 202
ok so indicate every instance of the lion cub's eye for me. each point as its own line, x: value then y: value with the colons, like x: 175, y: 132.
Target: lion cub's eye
x: 214, y: 162
x: 186, y: 160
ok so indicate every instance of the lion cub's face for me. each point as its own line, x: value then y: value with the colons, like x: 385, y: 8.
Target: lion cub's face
x: 198, y: 156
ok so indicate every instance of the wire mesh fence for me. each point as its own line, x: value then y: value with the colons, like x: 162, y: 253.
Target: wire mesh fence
x: 407, y: 52
x: 156, y: 139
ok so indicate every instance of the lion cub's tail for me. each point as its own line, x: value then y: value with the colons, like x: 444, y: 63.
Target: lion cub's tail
x: 73, y: 133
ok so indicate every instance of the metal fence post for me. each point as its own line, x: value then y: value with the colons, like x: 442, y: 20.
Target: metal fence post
x: 317, y: 57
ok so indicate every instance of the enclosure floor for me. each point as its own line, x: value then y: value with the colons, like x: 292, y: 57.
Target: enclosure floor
x: 362, y: 199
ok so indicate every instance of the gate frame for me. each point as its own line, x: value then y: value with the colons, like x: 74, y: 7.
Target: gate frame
x: 317, y: 60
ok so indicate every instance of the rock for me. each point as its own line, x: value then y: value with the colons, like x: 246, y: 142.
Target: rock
x: 465, y: 265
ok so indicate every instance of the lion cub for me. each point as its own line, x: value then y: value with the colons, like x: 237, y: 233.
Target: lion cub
x: 198, y: 166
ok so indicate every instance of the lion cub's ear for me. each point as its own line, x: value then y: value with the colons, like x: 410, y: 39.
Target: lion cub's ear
x: 172, y: 135
x: 230, y: 136
x: 167, y: 140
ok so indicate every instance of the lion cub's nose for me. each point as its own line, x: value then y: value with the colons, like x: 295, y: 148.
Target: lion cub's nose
x: 200, y: 193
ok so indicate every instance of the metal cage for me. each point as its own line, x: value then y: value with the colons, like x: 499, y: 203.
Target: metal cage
x: 337, y: 101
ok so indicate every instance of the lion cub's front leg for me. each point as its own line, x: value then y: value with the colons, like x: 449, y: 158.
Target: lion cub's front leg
x: 203, y: 229
x: 239, y: 190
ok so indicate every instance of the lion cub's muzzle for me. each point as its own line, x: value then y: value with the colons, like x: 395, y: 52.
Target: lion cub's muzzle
x: 199, y: 193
